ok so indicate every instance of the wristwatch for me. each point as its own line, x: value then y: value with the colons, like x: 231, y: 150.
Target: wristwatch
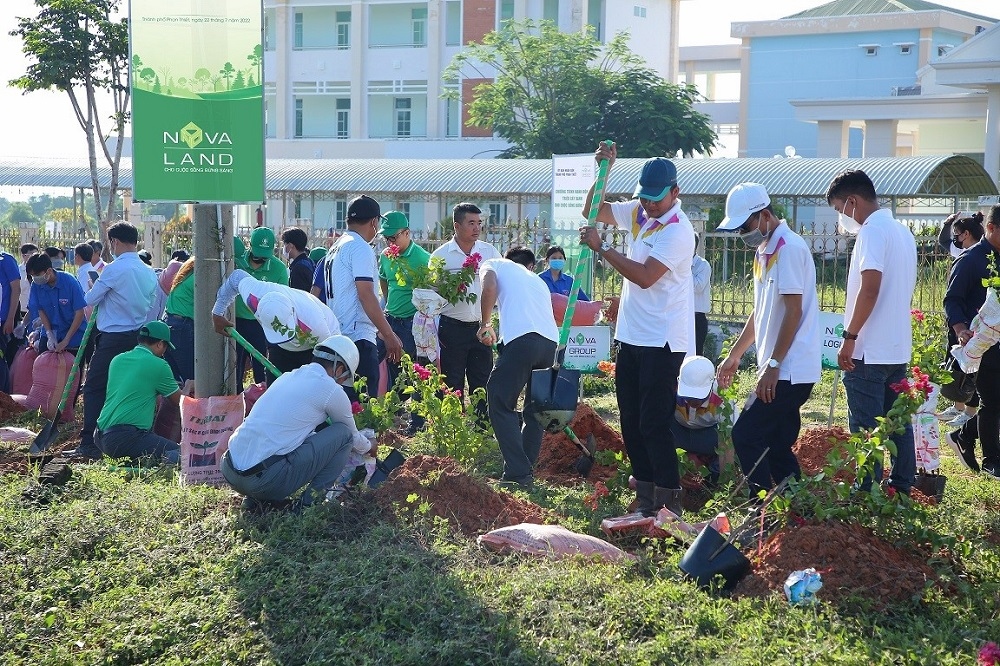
x: 773, y: 363
x: 605, y: 246
x: 847, y: 335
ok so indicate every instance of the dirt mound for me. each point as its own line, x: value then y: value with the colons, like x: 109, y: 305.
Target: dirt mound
x: 468, y: 503
x: 558, y: 453
x: 813, y: 446
x: 851, y: 559
x: 9, y: 409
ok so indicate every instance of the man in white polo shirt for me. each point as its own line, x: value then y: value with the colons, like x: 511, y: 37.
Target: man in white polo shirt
x: 784, y: 325
x: 877, y: 331
x: 462, y: 356
x: 655, y: 328
x: 529, y: 335
x: 352, y: 292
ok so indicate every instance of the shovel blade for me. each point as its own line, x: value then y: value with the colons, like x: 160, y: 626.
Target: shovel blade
x: 554, y: 396
x: 584, y: 465
x: 44, y: 439
x: 384, y: 467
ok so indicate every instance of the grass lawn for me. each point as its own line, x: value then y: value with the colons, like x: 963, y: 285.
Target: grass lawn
x: 116, y: 568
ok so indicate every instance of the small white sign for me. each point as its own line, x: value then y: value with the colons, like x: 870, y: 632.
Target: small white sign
x: 831, y: 330
x: 587, y: 345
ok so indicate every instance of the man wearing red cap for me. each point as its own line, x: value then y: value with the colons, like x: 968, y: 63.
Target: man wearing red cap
x: 655, y: 328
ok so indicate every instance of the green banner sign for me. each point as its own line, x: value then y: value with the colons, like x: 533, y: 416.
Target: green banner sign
x: 197, y: 100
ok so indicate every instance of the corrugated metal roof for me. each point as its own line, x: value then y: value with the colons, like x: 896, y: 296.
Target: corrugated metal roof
x: 899, y: 176
x: 865, y: 7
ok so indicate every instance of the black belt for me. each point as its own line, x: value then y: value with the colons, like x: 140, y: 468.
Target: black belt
x: 459, y: 322
x: 120, y: 428
x: 259, y: 467
x: 389, y: 316
x: 177, y: 316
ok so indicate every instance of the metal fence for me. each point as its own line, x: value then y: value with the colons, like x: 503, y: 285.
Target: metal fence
x: 731, y: 261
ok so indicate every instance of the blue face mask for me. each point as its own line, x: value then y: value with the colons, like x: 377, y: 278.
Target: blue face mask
x: 557, y: 264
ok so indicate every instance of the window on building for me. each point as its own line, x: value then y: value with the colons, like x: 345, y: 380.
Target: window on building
x: 905, y: 49
x: 498, y: 213
x: 506, y: 10
x: 869, y: 49
x: 343, y: 118
x: 453, y: 23
x: 343, y: 30
x: 297, y: 208
x: 453, y: 116
x: 418, y: 23
x: 404, y: 208
x: 340, y: 215
x: 404, y: 116
x: 639, y: 11
x: 550, y: 11
x: 943, y: 49
x: 298, y: 117
x: 297, y: 36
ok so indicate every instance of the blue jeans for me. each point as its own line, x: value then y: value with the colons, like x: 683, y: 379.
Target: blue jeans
x: 403, y: 328
x: 181, y: 359
x: 368, y: 365
x: 868, y: 398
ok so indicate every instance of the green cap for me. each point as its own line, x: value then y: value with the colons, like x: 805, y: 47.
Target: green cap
x: 393, y: 223
x: 262, y: 243
x: 317, y: 254
x: 158, y: 331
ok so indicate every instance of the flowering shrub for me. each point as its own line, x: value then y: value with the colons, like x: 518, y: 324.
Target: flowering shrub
x: 453, y: 286
x: 607, y: 367
x: 930, y: 345
x: 379, y: 414
x: 592, y: 500
x: 989, y: 655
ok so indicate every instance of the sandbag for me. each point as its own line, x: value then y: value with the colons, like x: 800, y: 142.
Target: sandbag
x: 206, y: 426
x: 587, y: 313
x: 20, y: 370
x: 49, y: 373
x: 251, y: 395
x: 551, y: 540
x: 167, y: 422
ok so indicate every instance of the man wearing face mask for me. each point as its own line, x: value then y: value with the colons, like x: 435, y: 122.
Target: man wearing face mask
x: 877, y: 332
x: 124, y: 293
x: 294, y: 251
x: 655, y: 328
x: 58, y: 299
x: 784, y: 326
x: 258, y: 260
x: 351, y: 284
x: 278, y: 449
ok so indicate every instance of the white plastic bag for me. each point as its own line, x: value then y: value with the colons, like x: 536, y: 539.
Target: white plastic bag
x: 429, y: 305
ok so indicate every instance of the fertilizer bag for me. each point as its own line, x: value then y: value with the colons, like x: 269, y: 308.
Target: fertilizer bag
x: 551, y: 540
x: 206, y: 426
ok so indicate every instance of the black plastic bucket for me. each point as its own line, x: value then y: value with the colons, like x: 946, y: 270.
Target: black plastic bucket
x: 383, y: 467
x: 711, y: 555
x: 554, y: 395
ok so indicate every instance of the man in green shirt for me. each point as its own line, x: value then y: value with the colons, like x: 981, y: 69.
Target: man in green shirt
x: 399, y: 309
x: 258, y: 260
x: 135, y: 378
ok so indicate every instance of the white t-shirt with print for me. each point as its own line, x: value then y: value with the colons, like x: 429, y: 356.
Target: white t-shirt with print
x: 785, y: 267
x: 886, y: 246
x: 523, y: 300
x: 349, y: 261
x: 454, y: 257
x: 663, y: 313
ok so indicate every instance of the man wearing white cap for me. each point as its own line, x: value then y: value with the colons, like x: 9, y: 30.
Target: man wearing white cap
x: 655, y: 327
x: 278, y: 448
x: 293, y: 320
x: 785, y: 327
x: 697, y: 415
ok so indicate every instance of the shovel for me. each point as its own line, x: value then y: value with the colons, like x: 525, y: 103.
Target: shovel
x: 585, y: 462
x: 556, y: 390
x: 382, y: 467
x: 48, y: 434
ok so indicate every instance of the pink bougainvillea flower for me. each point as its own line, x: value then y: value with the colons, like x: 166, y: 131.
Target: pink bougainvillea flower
x: 423, y: 373
x: 472, y: 261
x: 917, y: 314
x: 989, y: 655
x: 356, y: 407
x: 392, y: 251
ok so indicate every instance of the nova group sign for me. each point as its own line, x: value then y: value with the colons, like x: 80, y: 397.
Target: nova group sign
x: 587, y: 345
x: 197, y: 100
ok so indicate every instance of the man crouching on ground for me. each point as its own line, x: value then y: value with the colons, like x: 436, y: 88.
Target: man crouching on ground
x: 278, y: 450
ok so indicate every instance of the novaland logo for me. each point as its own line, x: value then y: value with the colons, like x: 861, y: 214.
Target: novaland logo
x: 580, y: 339
x: 192, y: 135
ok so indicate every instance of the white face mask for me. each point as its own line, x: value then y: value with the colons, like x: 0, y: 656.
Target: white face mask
x: 846, y: 223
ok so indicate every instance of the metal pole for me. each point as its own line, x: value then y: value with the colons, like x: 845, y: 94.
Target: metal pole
x: 211, y: 252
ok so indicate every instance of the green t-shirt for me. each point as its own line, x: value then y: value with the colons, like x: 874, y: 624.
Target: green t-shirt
x: 272, y: 271
x: 180, y: 301
x: 399, y: 303
x: 135, y: 378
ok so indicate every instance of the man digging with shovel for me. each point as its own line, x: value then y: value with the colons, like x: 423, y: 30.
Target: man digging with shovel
x: 655, y: 322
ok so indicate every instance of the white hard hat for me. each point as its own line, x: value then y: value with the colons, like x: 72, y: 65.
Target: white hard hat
x: 696, y: 377
x: 339, y: 348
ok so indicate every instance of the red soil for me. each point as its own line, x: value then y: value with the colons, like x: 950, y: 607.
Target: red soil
x: 558, y: 453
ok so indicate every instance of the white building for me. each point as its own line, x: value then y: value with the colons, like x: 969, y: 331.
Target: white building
x: 362, y: 79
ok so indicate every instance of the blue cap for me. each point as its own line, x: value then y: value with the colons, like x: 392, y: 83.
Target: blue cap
x: 658, y: 175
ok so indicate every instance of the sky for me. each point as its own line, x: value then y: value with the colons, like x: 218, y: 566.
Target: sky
x: 41, y: 124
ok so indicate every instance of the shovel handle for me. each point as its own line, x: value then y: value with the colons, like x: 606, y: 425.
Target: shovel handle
x: 583, y: 260
x: 260, y: 358
x: 81, y: 350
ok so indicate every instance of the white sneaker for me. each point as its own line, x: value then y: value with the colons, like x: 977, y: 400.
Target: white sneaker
x: 960, y: 420
x: 949, y: 414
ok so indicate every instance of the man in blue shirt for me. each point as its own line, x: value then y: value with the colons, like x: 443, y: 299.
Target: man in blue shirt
x: 124, y: 293
x: 57, y: 297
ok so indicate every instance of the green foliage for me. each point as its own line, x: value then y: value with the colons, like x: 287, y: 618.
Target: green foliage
x: 20, y: 214
x: 558, y: 92
x: 227, y: 73
x: 379, y: 414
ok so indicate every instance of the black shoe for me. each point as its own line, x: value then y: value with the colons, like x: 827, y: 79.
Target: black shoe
x: 966, y: 456
x: 84, y: 454
x: 992, y: 470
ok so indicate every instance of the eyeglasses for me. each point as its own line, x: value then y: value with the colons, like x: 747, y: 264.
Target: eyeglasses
x: 745, y: 227
x: 392, y: 238
x: 257, y: 260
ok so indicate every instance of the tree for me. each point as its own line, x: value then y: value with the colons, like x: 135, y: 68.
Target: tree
x: 556, y: 92
x: 256, y: 57
x: 238, y: 82
x: 20, y: 214
x: 80, y: 48
x: 227, y: 72
x: 202, y: 76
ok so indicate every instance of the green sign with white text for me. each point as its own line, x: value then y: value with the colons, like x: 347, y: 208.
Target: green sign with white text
x: 197, y: 100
